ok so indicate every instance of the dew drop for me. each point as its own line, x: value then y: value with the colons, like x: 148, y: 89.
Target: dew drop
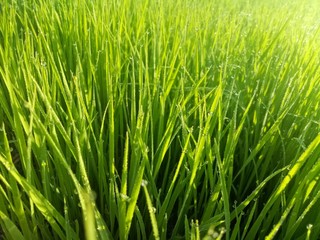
x: 124, y: 197
x: 101, y: 228
x: 144, y: 183
x: 215, y: 235
x: 309, y: 226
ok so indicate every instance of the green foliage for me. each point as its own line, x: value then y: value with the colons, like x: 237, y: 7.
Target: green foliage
x: 159, y: 119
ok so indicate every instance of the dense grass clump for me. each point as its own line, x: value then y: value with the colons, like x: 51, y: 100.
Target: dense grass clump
x: 159, y: 119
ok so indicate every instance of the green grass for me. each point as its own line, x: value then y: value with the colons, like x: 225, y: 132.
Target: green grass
x: 159, y: 119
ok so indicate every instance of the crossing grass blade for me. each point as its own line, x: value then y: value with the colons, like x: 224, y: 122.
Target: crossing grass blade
x: 12, y: 231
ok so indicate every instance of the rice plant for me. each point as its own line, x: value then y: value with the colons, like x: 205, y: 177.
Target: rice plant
x: 159, y: 119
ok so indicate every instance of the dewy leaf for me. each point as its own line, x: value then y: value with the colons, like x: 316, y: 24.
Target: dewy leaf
x: 44, y: 206
x: 293, y: 171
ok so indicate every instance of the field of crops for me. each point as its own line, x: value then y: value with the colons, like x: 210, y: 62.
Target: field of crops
x: 164, y: 119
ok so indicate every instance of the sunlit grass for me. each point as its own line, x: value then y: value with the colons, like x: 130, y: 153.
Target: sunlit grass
x: 159, y: 119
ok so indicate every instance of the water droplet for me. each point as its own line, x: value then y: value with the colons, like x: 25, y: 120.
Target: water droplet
x: 215, y: 235
x: 124, y: 197
x: 101, y: 228
x: 309, y: 226
x: 43, y: 63
x: 144, y: 183
x: 222, y: 230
